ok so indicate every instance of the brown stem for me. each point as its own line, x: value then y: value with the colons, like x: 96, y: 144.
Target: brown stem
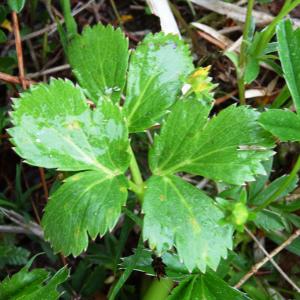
x: 19, y: 49
x: 14, y: 79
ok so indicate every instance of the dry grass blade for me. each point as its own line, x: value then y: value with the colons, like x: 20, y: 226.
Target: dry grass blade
x: 233, y: 11
x: 222, y: 39
x: 24, y: 226
x: 161, y: 8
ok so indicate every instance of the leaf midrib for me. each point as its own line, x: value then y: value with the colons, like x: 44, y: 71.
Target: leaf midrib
x: 183, y: 201
x: 140, y: 97
x: 93, y: 160
x: 289, y: 62
x: 189, y: 161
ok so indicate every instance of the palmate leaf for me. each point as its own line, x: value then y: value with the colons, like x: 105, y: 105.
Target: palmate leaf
x: 155, y: 70
x: 55, y: 128
x: 88, y: 202
x: 229, y: 147
x: 289, y: 54
x: 99, y: 58
x: 283, y: 124
x: 32, y: 285
x: 177, y: 213
x: 207, y: 286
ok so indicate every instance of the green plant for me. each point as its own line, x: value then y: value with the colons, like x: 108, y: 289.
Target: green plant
x: 257, y: 47
x: 55, y: 128
x: 90, y: 132
x: 32, y: 285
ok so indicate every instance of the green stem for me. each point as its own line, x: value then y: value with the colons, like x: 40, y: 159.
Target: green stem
x: 270, y: 30
x: 243, y: 53
x: 137, y: 186
x: 159, y: 289
x: 282, y: 188
x: 134, y: 188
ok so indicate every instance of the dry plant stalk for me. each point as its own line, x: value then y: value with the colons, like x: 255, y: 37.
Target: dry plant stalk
x: 258, y: 265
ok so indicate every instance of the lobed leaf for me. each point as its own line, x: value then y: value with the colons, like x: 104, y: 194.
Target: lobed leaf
x: 33, y: 285
x: 87, y: 203
x: 289, y: 54
x: 99, y: 59
x: 177, y: 213
x: 229, y: 148
x: 155, y: 70
x: 283, y: 124
x: 207, y: 286
x: 55, y: 128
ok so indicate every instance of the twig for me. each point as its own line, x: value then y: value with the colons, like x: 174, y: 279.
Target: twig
x: 19, y: 49
x: 14, y: 79
x: 222, y: 99
x: 15, y: 229
x: 29, y: 227
x: 49, y: 71
x: 258, y: 265
x: 283, y: 274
